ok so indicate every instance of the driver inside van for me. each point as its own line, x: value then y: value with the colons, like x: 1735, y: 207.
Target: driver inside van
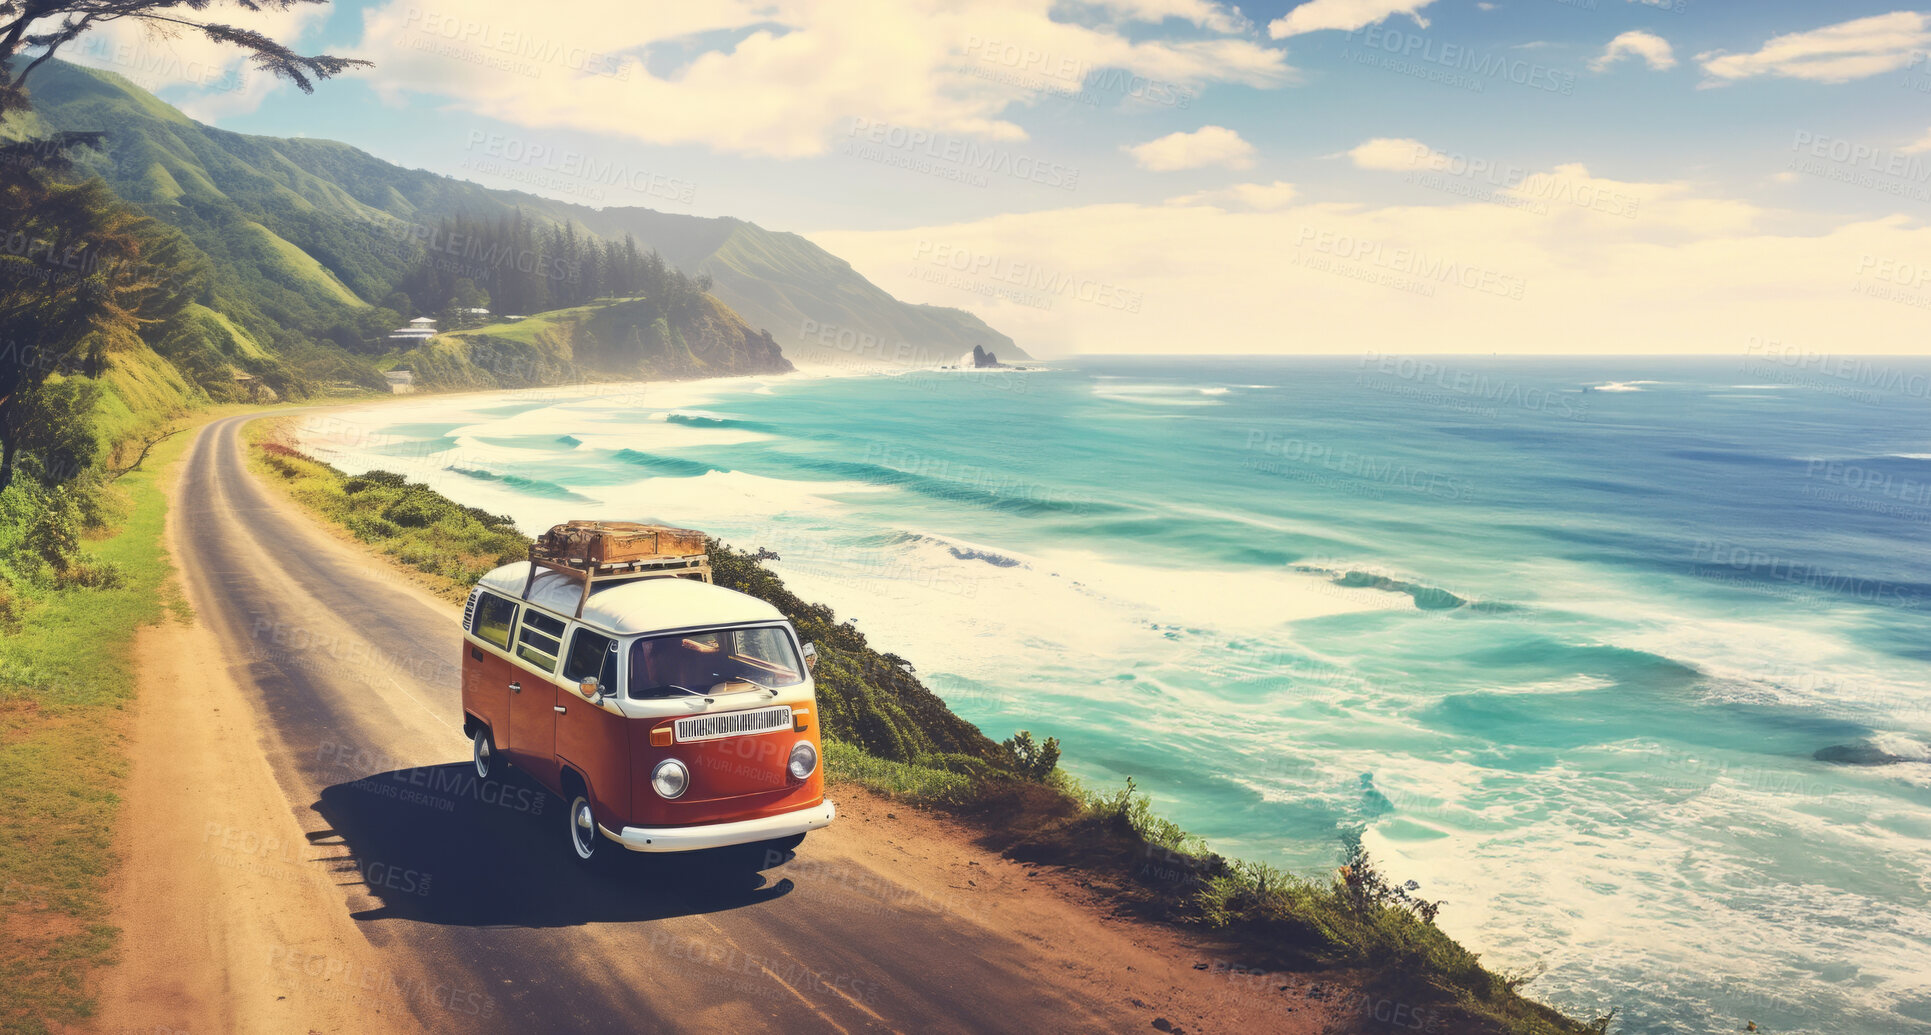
x: 690, y: 662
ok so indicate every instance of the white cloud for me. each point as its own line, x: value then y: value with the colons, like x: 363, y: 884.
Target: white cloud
x: 1346, y: 15
x: 1919, y: 146
x: 1208, y: 145
x: 787, y: 78
x: 1394, y: 154
x: 1833, y: 54
x: 1695, y: 271
x: 1653, y: 49
x: 1255, y: 197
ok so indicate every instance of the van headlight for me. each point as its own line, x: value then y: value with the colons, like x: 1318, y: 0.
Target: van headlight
x: 804, y: 760
x: 670, y: 778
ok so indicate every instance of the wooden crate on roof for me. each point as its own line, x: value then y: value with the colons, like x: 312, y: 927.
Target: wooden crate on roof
x: 594, y: 552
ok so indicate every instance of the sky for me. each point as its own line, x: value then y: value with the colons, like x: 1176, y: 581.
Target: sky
x: 1183, y: 176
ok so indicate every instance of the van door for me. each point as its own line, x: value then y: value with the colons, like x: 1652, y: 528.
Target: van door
x: 532, y: 742
x: 595, y: 741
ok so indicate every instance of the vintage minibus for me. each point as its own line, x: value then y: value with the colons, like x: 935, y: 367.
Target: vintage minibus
x: 670, y: 714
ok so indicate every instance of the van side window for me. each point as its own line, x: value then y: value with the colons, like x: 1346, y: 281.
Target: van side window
x: 541, y: 640
x: 592, y: 654
x: 493, y: 617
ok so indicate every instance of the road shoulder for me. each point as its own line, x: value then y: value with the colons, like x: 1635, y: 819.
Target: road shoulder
x: 231, y: 919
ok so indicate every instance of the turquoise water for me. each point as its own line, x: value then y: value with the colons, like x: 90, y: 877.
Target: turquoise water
x: 1562, y: 656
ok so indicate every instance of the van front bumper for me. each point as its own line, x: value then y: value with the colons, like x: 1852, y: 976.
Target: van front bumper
x: 720, y: 835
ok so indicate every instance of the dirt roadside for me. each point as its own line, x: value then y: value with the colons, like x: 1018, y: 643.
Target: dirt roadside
x: 1190, y: 981
x: 231, y: 920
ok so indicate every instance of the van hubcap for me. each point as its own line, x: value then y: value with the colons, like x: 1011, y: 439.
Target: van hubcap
x: 482, y: 755
x: 583, y: 828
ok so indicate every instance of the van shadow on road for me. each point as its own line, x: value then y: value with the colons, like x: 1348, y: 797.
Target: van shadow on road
x: 437, y: 845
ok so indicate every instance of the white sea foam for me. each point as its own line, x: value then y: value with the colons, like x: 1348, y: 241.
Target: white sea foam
x: 1159, y: 395
x: 1611, y: 863
x: 1600, y: 892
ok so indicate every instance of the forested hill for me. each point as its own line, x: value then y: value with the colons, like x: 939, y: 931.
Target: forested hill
x: 306, y: 236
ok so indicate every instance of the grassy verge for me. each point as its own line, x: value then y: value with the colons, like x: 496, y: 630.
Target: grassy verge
x: 446, y: 546
x: 885, y: 731
x: 66, y: 678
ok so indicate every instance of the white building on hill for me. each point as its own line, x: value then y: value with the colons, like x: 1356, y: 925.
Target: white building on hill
x: 422, y: 328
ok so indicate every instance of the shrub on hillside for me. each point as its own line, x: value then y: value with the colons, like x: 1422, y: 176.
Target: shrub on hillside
x: 12, y: 609
x: 1030, y: 760
x: 89, y: 573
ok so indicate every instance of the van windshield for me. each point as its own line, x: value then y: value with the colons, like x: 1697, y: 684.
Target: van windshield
x: 722, y: 661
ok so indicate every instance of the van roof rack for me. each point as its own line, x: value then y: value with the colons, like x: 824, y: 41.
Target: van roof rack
x: 600, y: 552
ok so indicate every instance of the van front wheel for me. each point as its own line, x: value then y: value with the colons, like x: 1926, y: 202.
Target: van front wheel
x: 584, y: 838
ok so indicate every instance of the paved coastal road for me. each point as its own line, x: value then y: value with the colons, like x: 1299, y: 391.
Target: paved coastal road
x: 466, y: 889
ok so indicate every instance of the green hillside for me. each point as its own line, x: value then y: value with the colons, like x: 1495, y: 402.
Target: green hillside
x: 818, y: 307
x: 630, y: 339
x: 303, y: 233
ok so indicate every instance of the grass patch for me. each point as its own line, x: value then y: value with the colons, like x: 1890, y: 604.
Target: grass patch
x: 885, y: 731
x: 910, y: 781
x: 419, y: 528
x: 66, y: 676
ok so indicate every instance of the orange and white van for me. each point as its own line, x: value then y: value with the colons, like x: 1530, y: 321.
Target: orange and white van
x: 671, y: 714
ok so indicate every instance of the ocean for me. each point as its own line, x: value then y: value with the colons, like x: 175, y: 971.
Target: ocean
x: 1559, y: 639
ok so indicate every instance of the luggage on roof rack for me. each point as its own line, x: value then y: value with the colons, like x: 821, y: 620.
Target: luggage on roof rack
x: 606, y: 551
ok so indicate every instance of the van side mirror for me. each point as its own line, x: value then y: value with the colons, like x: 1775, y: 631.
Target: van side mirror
x: 811, y: 657
x: 588, y: 688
